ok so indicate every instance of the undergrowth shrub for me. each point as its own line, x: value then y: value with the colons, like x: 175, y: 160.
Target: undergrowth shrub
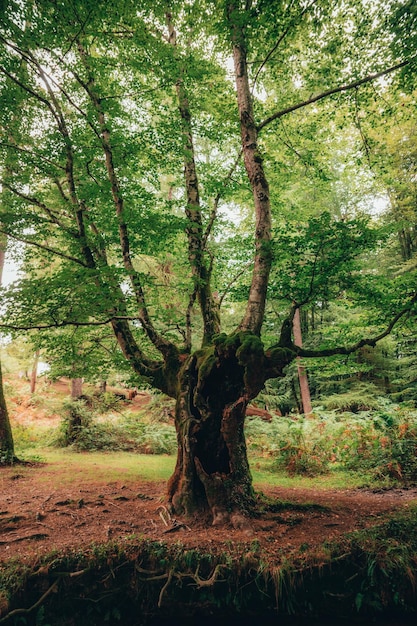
x: 26, y: 437
x: 301, y: 455
x: 379, y: 443
x: 387, y: 448
x: 75, y: 426
x: 365, y: 397
x: 83, y: 429
x: 151, y: 438
x: 294, y: 445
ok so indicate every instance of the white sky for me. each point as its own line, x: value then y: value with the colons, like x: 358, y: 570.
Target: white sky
x: 10, y: 272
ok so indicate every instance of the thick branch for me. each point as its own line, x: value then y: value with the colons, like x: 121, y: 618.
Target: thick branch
x: 285, y: 351
x: 255, y: 309
x: 370, y: 341
x: 196, y: 239
x: 330, y: 92
x: 162, y: 375
x: 164, y: 346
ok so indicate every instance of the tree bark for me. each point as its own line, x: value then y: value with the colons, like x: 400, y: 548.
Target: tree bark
x: 76, y: 388
x: 302, y: 372
x: 34, y: 374
x: 201, y: 270
x: 215, y: 385
x: 212, y: 471
x: 253, y: 159
x: 7, y: 454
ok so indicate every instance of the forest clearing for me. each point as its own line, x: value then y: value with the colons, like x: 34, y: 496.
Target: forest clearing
x: 72, y: 499
x: 62, y: 503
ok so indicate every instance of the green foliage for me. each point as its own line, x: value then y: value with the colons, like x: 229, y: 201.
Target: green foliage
x: 360, y: 397
x: 380, y: 443
x: 82, y: 429
x: 112, y: 105
x: 27, y: 437
x: 322, y: 258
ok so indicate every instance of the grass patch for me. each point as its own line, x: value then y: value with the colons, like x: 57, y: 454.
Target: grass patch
x: 64, y: 467
x: 67, y: 466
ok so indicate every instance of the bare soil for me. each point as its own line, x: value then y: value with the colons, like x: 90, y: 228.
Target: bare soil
x: 37, y: 518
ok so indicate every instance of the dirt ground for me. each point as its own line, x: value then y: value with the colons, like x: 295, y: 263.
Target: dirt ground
x: 37, y: 518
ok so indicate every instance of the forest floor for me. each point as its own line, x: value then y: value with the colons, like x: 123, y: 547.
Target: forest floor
x: 36, y: 519
x: 41, y: 511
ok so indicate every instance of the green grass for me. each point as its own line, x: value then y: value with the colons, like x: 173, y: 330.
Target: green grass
x: 67, y: 467
x: 266, y: 475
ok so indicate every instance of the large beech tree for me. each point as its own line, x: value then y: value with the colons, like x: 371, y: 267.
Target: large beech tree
x: 142, y: 129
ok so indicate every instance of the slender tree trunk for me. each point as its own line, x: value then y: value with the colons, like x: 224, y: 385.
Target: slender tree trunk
x: 34, y: 374
x: 201, y: 270
x: 302, y: 372
x: 76, y: 388
x: 7, y: 455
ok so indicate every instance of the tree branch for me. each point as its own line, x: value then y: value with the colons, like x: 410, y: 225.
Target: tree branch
x: 255, y: 308
x: 280, y: 40
x: 65, y: 323
x: 44, y: 247
x: 162, y: 344
x: 330, y: 92
x: 194, y: 230
x: 371, y: 341
x: 217, y: 199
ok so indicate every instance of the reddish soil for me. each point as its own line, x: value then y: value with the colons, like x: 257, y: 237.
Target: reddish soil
x: 35, y: 519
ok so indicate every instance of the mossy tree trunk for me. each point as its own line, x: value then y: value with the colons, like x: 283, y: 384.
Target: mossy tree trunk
x: 215, y: 386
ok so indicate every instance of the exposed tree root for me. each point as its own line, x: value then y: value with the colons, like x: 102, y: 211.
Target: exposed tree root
x: 169, y: 576
x: 35, y: 606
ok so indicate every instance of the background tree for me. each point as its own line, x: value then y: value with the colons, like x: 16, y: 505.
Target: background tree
x: 7, y: 454
x: 135, y: 145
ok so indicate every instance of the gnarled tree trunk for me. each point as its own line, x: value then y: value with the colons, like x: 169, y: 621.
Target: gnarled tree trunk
x: 212, y: 470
